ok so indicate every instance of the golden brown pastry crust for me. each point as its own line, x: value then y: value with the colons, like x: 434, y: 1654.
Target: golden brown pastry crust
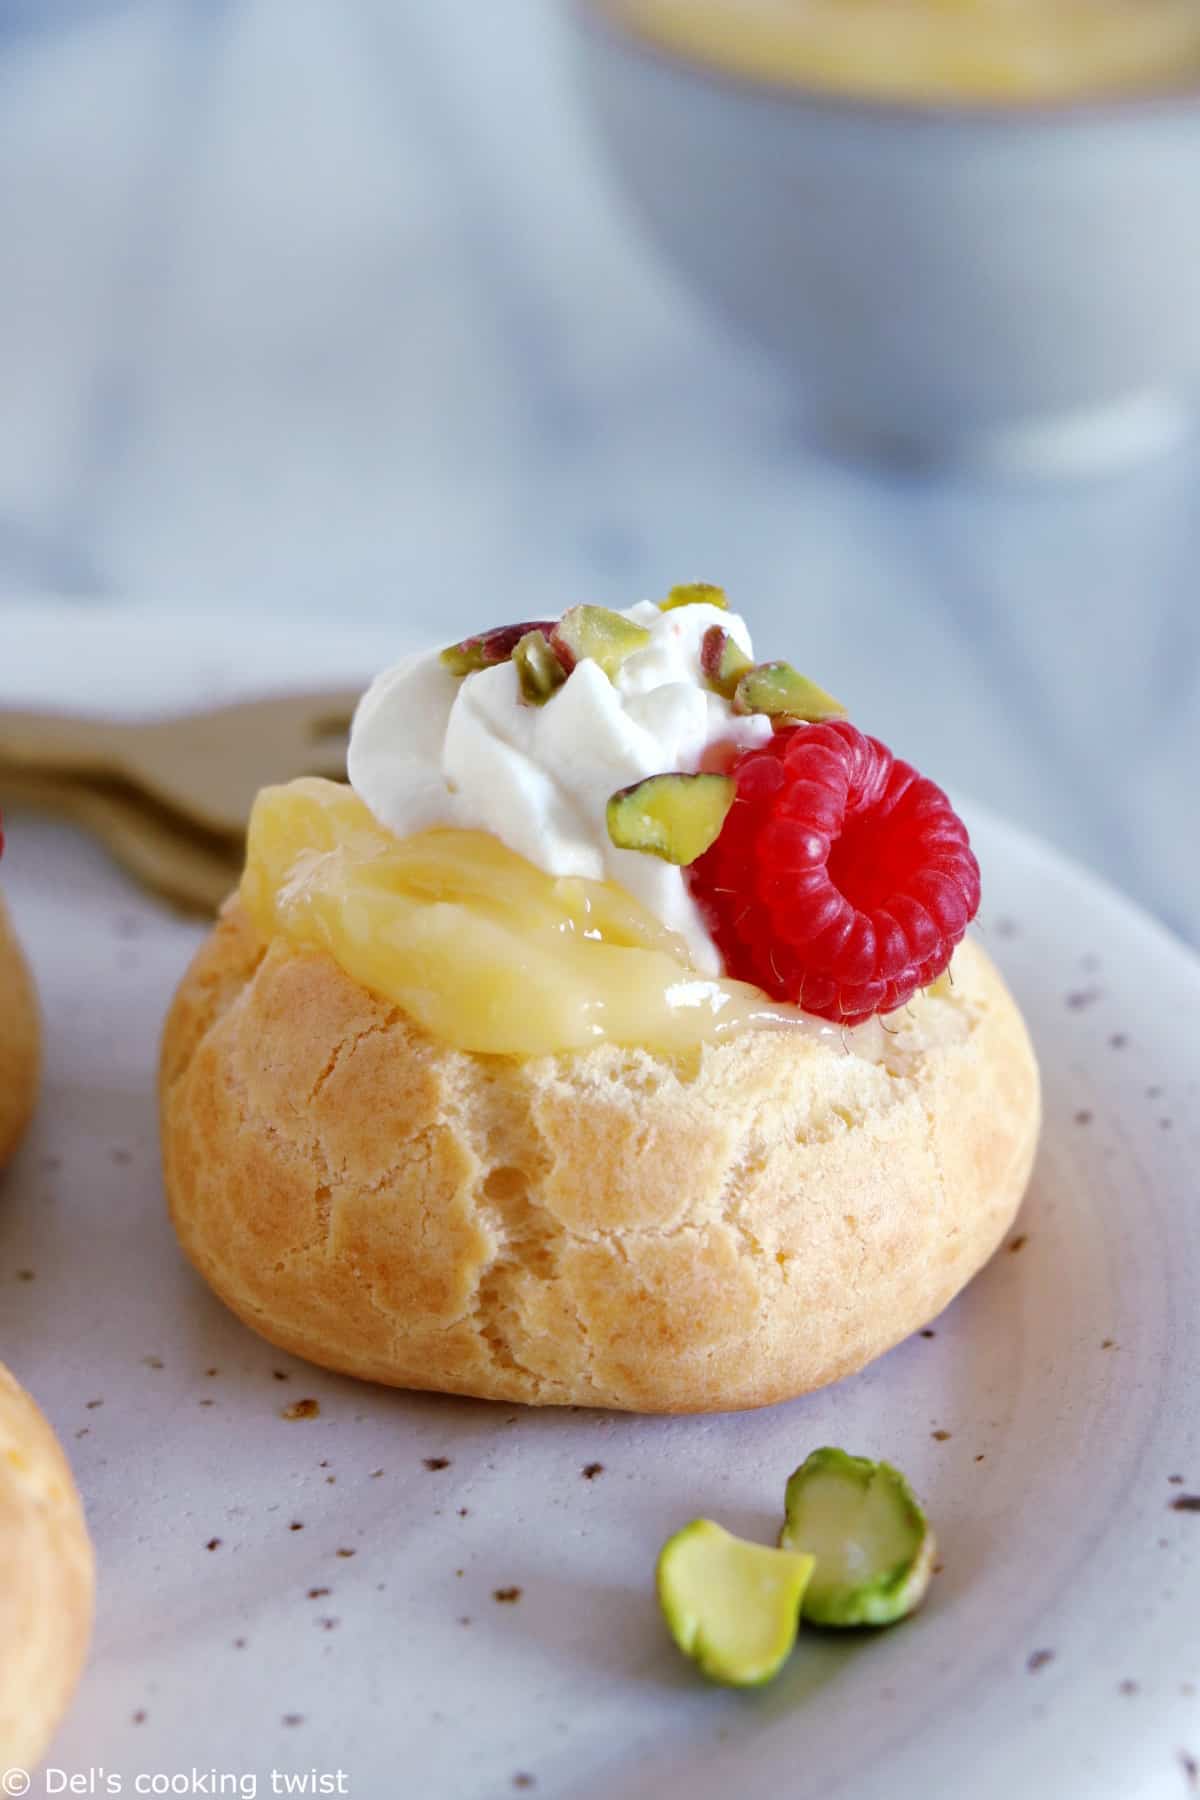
x: 20, y: 1040
x: 591, y: 1229
x: 46, y: 1590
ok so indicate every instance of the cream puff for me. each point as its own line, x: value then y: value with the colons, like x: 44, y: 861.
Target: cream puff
x: 20, y: 1040
x: 614, y: 1040
x: 46, y: 1592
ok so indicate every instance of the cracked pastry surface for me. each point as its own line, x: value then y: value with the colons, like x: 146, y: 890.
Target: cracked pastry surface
x: 605, y: 1228
x: 20, y: 1040
x: 46, y: 1590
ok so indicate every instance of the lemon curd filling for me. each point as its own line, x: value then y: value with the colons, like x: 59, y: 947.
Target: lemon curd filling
x: 999, y: 50
x: 484, y: 950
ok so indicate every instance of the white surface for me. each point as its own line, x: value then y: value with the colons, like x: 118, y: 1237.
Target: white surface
x: 1061, y: 1539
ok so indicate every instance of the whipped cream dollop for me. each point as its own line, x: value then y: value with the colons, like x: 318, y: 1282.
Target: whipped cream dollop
x: 428, y: 748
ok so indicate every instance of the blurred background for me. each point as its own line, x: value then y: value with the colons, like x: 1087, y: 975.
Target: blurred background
x: 334, y: 310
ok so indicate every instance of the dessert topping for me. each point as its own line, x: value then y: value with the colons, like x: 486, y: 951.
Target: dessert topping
x: 841, y: 880
x: 873, y: 1547
x: 502, y: 749
x: 733, y: 1607
x: 593, y: 631
x: 539, y: 671
x: 694, y: 593
x: 723, y: 660
x: 855, y: 1549
x: 627, y: 747
x: 780, y: 691
x: 676, y: 817
x: 484, y: 950
x: 488, y: 648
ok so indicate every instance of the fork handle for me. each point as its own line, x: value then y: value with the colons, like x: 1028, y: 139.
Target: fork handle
x: 61, y: 742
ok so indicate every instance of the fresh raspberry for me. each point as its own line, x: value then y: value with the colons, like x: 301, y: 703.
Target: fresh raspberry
x: 842, y: 879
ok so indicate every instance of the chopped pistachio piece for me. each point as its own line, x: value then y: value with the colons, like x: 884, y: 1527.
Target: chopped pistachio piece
x: 732, y: 1606
x: 694, y: 593
x: 593, y: 631
x: 539, y: 671
x: 780, y: 691
x: 723, y: 662
x: 487, y: 648
x: 874, y: 1550
x: 676, y: 817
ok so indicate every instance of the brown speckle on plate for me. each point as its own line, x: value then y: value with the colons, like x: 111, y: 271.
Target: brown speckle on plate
x: 591, y: 1470
x: 1188, y: 1503
x: 296, y: 1525
x: 293, y: 1718
x: 329, y: 1624
x: 307, y: 1408
x: 1127, y: 1686
x: 1109, y: 1344
x: 139, y: 1717
x: 153, y: 1362
x: 939, y: 1436
x: 1082, y: 998
x: 928, y: 1333
x: 1018, y: 1243
x: 318, y: 1593
x: 1175, y: 1480
x: 343, y: 1553
x: 1038, y: 1660
x: 464, y: 1512
x: 1191, y: 1769
x: 239, y: 1643
x: 93, y: 1404
x: 211, y: 1372
x: 375, y: 1474
x: 1083, y: 1116
x: 507, y: 1596
x: 980, y: 1456
x: 213, y: 1544
x: 25, y: 1275
x: 280, y: 1374
x: 1119, y: 1040
x: 1006, y: 928
x: 522, y: 1779
x: 434, y: 1463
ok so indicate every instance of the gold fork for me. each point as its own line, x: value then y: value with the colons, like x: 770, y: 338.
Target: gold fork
x: 194, y: 870
x: 205, y: 767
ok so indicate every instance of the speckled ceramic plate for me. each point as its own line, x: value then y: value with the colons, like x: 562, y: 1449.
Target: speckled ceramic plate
x: 442, y: 1599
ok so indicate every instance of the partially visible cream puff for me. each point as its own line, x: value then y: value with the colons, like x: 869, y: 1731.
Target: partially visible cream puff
x: 46, y: 1580
x: 20, y: 1040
